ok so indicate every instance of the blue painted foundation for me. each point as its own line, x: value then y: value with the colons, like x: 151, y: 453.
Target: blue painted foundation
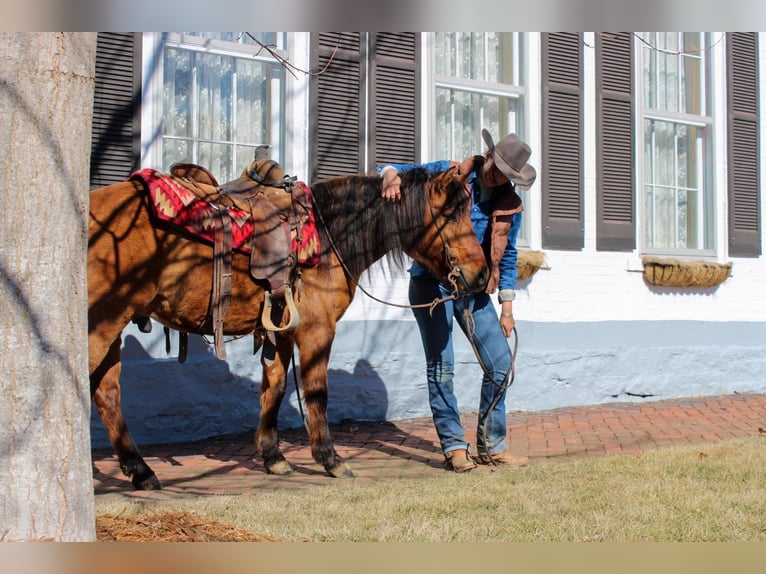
x: 377, y: 372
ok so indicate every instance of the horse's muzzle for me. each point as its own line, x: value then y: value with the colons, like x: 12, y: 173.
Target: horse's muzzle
x: 477, y: 283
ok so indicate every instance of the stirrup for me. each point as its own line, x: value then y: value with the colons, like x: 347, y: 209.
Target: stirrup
x: 293, y: 317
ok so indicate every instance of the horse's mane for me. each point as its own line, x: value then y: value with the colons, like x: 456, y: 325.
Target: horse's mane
x: 363, y: 227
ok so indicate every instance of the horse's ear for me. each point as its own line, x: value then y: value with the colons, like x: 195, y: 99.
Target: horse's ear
x: 445, y: 177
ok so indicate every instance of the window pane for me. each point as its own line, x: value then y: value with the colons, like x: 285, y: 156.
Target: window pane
x: 214, y: 96
x: 482, y: 56
x: 674, y: 206
x: 253, y: 102
x: 673, y: 73
x: 691, y: 86
x: 460, y: 117
x: 218, y: 159
x: 174, y: 151
x: 177, y: 92
x: 245, y: 155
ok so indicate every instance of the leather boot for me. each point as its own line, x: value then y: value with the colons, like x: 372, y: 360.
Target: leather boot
x: 505, y: 458
x: 459, y: 460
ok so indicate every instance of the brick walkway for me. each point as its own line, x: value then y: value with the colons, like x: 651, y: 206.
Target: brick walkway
x: 409, y: 448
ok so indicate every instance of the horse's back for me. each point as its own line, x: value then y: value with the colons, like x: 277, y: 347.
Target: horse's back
x: 114, y: 208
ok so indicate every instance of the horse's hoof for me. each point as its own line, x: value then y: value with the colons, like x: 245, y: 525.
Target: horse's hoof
x: 341, y: 470
x: 150, y: 482
x: 281, y: 467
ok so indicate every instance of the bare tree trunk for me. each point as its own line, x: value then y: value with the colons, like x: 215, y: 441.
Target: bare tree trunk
x: 46, y: 103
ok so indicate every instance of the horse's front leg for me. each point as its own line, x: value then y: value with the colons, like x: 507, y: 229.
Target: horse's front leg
x: 272, y: 392
x: 314, y: 345
x: 105, y: 389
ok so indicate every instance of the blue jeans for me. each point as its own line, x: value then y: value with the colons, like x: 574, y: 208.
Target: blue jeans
x: 492, y: 349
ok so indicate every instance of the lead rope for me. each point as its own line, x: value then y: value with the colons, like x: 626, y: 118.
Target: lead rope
x: 503, y: 386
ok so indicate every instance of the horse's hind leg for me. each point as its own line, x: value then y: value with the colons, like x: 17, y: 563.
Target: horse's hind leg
x: 105, y: 388
x: 275, y: 363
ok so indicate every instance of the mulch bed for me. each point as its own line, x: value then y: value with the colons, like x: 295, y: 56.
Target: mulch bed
x: 170, y: 527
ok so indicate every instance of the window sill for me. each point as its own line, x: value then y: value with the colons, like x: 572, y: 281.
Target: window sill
x: 667, y: 272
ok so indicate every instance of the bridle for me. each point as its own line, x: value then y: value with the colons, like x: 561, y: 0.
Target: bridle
x: 455, y: 272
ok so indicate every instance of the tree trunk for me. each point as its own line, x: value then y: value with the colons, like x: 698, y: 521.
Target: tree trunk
x: 46, y: 103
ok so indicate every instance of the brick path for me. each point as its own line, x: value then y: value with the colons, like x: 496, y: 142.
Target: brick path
x: 409, y: 448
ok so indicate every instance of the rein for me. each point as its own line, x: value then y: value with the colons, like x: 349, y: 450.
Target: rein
x: 454, y: 274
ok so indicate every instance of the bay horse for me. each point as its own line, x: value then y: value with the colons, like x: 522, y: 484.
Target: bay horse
x: 138, y: 267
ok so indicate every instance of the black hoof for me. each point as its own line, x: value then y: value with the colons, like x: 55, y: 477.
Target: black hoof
x: 148, y: 482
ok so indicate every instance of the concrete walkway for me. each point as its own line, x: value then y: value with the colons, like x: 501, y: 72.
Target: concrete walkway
x: 409, y: 448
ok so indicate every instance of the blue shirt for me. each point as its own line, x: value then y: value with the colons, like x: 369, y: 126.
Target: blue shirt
x: 481, y: 216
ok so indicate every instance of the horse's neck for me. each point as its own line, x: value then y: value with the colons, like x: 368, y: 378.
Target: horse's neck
x: 359, y: 243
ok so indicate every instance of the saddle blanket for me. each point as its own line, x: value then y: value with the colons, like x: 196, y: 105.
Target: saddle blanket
x: 174, y: 203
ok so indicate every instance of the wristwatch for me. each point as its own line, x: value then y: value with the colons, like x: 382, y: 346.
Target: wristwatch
x: 506, y: 295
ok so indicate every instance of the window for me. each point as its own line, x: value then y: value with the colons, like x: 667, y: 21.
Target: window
x: 676, y: 126
x: 477, y: 84
x: 222, y: 96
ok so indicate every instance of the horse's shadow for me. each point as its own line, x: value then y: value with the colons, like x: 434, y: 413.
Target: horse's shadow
x: 361, y: 425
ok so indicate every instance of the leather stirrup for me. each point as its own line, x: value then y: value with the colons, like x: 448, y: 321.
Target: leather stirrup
x: 292, y: 312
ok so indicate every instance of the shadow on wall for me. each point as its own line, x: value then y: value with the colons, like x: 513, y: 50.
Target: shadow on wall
x: 359, y: 395
x: 166, y: 401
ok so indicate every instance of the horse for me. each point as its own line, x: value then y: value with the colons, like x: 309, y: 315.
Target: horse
x: 140, y: 267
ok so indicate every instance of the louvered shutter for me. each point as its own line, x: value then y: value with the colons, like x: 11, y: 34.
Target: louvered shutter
x: 562, y: 157
x: 743, y: 150
x: 615, y: 200
x: 336, y: 120
x: 394, y: 114
x: 116, y: 134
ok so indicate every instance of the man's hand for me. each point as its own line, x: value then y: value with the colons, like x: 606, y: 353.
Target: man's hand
x: 507, y: 321
x: 391, y: 184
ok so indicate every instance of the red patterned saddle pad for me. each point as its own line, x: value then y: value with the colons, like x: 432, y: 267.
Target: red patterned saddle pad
x: 174, y: 203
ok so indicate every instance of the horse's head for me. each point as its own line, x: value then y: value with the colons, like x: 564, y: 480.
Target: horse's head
x: 450, y: 247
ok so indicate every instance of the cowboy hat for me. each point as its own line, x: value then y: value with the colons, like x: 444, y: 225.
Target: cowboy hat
x: 510, y: 156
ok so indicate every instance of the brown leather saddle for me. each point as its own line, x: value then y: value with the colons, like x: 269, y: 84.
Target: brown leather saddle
x: 277, y: 209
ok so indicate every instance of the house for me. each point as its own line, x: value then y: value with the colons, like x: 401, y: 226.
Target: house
x: 643, y: 233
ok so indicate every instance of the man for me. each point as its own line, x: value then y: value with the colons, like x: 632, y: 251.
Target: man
x: 496, y: 217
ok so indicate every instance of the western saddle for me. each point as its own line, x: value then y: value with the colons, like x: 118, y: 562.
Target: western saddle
x: 278, y: 208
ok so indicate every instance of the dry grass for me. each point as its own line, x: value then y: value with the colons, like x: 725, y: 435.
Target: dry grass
x: 713, y: 492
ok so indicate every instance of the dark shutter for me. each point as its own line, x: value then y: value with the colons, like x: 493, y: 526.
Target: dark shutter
x: 336, y: 129
x: 394, y: 114
x: 743, y: 149
x: 562, y: 157
x: 615, y: 199
x: 116, y: 132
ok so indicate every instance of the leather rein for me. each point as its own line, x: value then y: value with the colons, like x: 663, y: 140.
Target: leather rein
x: 454, y: 274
